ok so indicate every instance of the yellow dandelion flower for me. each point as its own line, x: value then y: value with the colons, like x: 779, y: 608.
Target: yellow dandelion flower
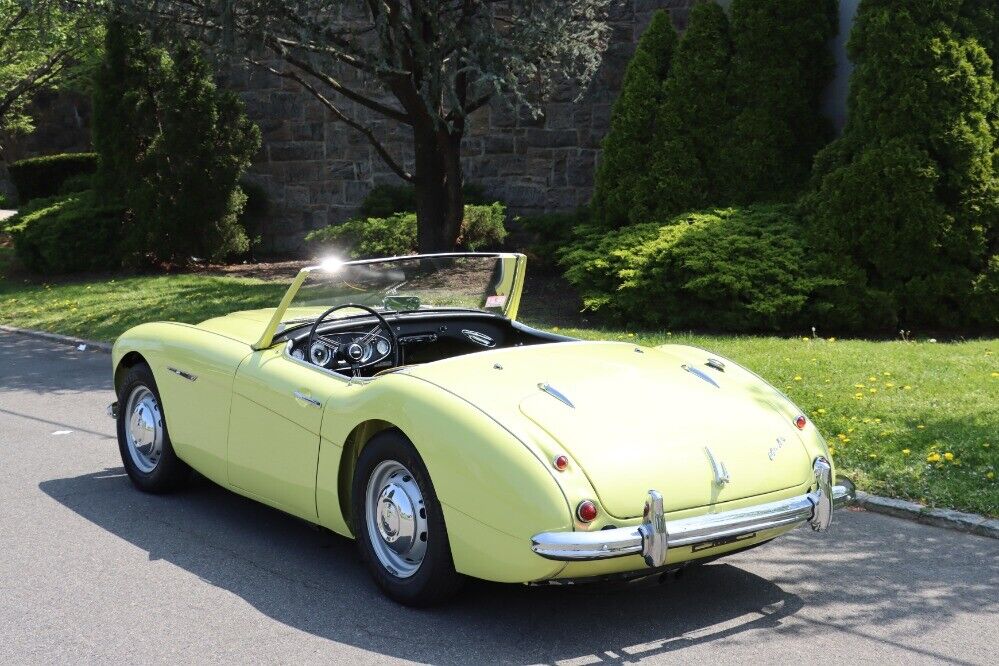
x: 834, y: 340
x: 797, y: 378
x: 805, y: 339
x: 874, y: 390
x: 948, y: 456
x: 990, y: 475
x: 906, y: 452
x: 858, y: 386
x: 858, y: 395
x: 867, y: 420
x: 906, y: 388
x: 841, y: 436
x: 832, y: 450
x: 888, y: 385
x: 986, y: 445
x: 920, y: 427
x: 877, y: 420
x: 846, y: 440
x: 933, y: 457
x: 820, y: 410
x: 872, y: 455
x: 995, y: 374
x: 872, y: 378
x: 849, y: 430
x: 819, y: 395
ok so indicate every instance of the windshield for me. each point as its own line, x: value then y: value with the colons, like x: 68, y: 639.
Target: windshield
x: 471, y: 281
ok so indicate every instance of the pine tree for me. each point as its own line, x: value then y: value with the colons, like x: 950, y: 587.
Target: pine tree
x: 189, y: 201
x: 780, y: 65
x: 906, y: 203
x: 628, y: 147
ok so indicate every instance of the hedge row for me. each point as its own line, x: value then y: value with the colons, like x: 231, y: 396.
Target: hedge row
x: 38, y: 177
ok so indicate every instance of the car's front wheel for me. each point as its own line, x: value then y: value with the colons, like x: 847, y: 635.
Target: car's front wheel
x: 143, y: 440
x: 399, y: 524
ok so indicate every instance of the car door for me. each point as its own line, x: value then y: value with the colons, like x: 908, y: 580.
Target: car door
x: 277, y: 411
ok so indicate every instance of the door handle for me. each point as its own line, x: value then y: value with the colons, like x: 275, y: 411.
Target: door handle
x: 308, y: 398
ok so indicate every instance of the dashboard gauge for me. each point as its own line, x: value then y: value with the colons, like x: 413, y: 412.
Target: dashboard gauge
x: 320, y: 354
x: 298, y: 353
x: 382, y: 347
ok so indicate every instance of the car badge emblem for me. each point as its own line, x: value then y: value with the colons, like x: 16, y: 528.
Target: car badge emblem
x: 555, y: 393
x: 718, y: 467
x: 772, y: 453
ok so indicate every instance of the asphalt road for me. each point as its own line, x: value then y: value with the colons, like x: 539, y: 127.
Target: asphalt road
x: 92, y: 570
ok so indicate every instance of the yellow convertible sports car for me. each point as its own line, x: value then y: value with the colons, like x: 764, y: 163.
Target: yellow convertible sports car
x: 399, y: 402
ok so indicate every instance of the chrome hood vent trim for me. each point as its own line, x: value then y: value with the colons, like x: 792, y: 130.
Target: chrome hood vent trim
x: 555, y: 393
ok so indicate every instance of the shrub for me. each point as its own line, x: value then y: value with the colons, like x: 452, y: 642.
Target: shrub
x: 732, y: 269
x: 78, y: 183
x: 550, y: 232
x: 38, y: 177
x: 394, y: 235
x: 627, y: 148
x: 690, y: 139
x: 482, y: 227
x: 905, y: 209
x: 781, y: 63
x: 69, y: 234
x: 359, y: 238
x: 254, y: 212
x: 385, y: 200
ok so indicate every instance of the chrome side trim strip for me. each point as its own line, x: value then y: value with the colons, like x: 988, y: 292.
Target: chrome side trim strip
x: 653, y: 537
x: 186, y: 375
x: 308, y: 398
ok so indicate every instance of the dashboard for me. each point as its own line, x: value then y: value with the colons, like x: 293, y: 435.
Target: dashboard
x: 360, y: 345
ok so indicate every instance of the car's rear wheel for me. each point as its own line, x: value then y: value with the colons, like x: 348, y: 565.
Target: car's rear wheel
x: 399, y: 524
x: 143, y: 440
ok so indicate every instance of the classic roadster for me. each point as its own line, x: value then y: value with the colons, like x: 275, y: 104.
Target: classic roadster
x: 399, y: 402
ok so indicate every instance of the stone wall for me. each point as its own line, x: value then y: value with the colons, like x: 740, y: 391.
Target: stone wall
x: 317, y: 171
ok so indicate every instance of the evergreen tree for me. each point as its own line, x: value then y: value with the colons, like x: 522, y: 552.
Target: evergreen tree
x: 906, y: 203
x: 691, y: 141
x: 189, y: 200
x: 780, y: 65
x: 628, y: 148
x: 124, y: 113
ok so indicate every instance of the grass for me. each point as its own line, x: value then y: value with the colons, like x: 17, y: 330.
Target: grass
x: 916, y: 420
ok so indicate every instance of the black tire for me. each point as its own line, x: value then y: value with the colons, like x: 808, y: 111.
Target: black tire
x: 436, y: 579
x: 169, y: 472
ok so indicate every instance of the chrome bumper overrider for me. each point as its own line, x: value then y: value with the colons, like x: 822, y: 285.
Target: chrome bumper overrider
x: 656, y: 535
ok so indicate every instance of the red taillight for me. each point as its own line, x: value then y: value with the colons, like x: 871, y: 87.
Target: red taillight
x: 801, y: 422
x: 561, y: 463
x: 586, y: 511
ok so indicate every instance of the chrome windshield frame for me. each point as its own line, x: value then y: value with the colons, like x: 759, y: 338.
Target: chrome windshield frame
x: 514, y: 266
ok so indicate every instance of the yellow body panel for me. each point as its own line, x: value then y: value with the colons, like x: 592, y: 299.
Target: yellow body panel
x: 486, y: 433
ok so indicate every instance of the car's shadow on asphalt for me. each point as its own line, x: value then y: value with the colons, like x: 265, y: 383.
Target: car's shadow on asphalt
x: 872, y: 571
x: 313, y: 581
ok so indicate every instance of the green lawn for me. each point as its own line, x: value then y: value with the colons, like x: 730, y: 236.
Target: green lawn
x: 918, y: 420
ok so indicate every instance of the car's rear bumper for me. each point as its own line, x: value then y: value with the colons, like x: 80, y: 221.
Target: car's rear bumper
x: 656, y: 535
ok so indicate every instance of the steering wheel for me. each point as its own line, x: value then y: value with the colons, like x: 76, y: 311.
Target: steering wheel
x: 354, y: 352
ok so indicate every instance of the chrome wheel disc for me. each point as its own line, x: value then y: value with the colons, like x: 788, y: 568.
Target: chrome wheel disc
x: 396, y: 518
x: 144, y: 429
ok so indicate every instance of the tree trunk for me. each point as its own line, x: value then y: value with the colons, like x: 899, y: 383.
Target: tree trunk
x: 440, y: 203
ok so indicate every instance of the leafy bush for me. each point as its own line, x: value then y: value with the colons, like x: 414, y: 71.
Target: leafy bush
x: 627, y: 148
x: 359, y: 238
x: 550, y: 232
x: 730, y: 269
x: 781, y: 64
x: 905, y: 209
x: 385, y: 200
x: 690, y: 140
x: 481, y: 228
x: 254, y: 212
x: 4, y: 202
x: 38, y: 177
x: 69, y: 234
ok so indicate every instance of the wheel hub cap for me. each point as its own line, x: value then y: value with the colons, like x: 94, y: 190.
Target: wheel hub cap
x: 144, y: 429
x: 396, y: 518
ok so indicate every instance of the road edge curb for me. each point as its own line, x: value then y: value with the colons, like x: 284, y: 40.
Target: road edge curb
x: 972, y: 523
x: 92, y: 345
